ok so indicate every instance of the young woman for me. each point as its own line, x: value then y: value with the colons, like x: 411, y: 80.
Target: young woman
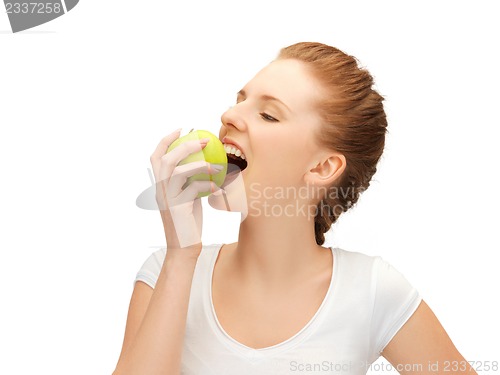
x: 307, y: 132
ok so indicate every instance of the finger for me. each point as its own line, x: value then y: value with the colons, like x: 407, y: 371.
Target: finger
x: 185, y: 149
x: 161, y: 149
x: 183, y: 172
x: 194, y: 188
x: 200, y: 166
x: 171, y: 160
x: 166, y: 141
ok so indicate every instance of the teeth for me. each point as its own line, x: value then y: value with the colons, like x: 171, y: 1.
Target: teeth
x: 235, y: 151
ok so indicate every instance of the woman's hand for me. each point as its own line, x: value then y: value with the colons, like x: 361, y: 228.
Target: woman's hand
x: 179, y: 206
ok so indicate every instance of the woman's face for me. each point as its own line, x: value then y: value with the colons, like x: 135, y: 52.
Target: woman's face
x: 274, y: 122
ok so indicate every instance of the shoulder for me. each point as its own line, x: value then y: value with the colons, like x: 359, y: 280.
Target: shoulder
x: 390, y: 299
x: 356, y: 263
x: 360, y: 263
x: 387, y: 290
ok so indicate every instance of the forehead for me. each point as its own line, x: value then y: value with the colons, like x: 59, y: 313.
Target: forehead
x: 288, y: 80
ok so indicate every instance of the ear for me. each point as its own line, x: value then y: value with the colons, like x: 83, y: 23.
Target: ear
x: 326, y: 170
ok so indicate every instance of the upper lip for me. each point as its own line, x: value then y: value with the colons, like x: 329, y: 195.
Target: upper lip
x: 227, y: 140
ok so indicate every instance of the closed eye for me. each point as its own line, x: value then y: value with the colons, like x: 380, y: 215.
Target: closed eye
x: 267, y: 117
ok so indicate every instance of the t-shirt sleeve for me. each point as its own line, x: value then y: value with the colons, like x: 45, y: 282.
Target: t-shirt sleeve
x: 395, y: 301
x: 151, y: 268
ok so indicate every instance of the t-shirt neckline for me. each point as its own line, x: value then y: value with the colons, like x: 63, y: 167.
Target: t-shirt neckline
x: 305, y: 331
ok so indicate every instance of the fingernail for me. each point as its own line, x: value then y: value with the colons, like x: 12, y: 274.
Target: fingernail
x: 204, y: 140
x: 177, y: 130
x: 217, y: 167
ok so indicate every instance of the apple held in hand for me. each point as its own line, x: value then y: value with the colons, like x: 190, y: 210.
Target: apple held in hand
x: 213, y: 153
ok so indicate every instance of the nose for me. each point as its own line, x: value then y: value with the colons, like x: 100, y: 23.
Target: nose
x: 233, y: 117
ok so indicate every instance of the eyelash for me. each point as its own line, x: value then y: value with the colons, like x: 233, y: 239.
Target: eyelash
x: 264, y: 115
x: 267, y: 117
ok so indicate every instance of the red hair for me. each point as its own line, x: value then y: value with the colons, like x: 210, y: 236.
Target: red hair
x: 354, y: 124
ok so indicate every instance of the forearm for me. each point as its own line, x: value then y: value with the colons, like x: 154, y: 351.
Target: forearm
x: 157, y: 346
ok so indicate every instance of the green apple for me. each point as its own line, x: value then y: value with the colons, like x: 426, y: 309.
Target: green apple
x: 213, y: 153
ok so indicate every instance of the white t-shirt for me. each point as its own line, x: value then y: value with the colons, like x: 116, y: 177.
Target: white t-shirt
x: 367, y: 302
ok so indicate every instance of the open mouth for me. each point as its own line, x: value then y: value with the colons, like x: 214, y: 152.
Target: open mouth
x: 235, y: 163
x: 235, y: 158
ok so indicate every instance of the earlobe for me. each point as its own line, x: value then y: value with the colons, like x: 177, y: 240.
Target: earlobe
x: 327, y: 171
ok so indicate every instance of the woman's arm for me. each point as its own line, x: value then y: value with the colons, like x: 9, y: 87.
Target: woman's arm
x: 422, y: 346
x: 156, y: 320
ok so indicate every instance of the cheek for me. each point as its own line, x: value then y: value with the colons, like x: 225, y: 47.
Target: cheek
x: 279, y: 162
x: 294, y: 151
x: 282, y: 160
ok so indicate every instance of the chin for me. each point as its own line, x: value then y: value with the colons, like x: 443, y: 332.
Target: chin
x: 232, y: 196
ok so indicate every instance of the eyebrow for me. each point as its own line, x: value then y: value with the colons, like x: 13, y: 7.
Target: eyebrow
x: 265, y: 98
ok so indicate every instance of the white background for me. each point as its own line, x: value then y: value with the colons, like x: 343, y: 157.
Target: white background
x: 85, y: 99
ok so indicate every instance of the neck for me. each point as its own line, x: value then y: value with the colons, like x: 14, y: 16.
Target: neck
x: 273, y: 251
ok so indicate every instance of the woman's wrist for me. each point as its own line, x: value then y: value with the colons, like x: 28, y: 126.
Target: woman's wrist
x: 184, y: 254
